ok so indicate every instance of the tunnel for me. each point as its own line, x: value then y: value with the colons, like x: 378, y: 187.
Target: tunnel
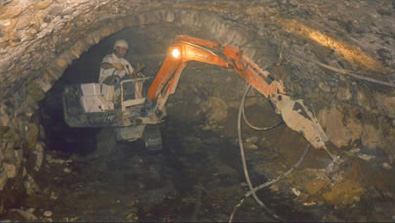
x: 335, y: 60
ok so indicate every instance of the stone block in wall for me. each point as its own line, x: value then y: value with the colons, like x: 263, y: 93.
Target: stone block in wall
x: 44, y: 85
x: 36, y: 22
x: 169, y: 16
x: 142, y: 19
x: 32, y: 136
x: 386, y: 104
x: 35, y: 92
x: 64, y: 60
x: 23, y: 22
x: 12, y: 139
x: 10, y: 170
x: 40, y: 5
x: 95, y: 38
x: 51, y: 74
x: 106, y: 31
x: 56, y: 9
x: 77, y: 49
x: 28, y: 34
x: 90, y: 40
x: 10, y: 12
x: 340, y: 133
x: 39, y: 153
x: 324, y: 87
x: 78, y: 25
x: 7, y: 26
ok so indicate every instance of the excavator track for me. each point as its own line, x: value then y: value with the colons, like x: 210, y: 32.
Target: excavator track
x: 152, y: 138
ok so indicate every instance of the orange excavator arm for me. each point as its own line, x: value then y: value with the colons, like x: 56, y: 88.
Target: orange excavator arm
x: 187, y: 49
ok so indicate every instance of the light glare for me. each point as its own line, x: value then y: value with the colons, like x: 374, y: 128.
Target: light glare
x: 175, y: 53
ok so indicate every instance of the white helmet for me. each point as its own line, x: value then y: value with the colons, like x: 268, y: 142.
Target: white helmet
x: 121, y: 43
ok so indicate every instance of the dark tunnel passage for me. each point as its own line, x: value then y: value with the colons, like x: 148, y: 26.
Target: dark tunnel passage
x: 59, y: 173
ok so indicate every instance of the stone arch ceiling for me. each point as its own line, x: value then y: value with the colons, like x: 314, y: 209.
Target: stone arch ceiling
x: 39, y: 39
x: 69, y: 28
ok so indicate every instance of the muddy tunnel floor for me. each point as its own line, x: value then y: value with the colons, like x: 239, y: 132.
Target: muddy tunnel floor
x: 197, y: 177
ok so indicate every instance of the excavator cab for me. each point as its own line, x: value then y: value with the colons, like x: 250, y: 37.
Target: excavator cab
x: 123, y: 105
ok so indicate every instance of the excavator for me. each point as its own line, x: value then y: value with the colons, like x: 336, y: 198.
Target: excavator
x: 138, y: 116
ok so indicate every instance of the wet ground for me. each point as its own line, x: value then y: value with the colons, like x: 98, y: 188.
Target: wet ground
x: 198, y: 177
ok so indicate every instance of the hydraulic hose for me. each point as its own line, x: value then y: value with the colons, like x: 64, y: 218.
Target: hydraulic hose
x: 252, y: 191
x: 246, y: 120
x: 245, y: 169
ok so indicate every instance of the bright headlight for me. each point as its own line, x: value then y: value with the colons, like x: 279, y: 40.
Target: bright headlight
x: 175, y: 53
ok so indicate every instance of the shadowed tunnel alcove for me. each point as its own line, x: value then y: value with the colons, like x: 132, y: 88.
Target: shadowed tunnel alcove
x: 337, y: 57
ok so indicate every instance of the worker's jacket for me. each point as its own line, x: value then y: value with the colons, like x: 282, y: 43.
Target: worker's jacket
x: 112, y: 58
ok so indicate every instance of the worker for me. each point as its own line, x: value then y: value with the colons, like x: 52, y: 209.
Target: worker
x: 114, y: 68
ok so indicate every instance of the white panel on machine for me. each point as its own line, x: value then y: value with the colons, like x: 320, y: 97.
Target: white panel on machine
x: 107, y: 92
x: 90, y: 89
x: 97, y: 97
x: 96, y: 104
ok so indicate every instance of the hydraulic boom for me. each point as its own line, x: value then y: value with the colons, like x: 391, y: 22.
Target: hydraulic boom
x: 294, y: 113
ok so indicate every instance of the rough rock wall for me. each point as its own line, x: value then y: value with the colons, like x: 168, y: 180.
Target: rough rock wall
x: 39, y: 39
